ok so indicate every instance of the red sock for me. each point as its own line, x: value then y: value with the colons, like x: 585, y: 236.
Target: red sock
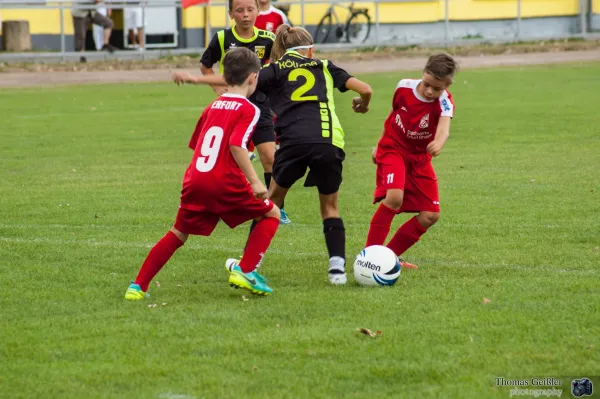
x: 156, y: 259
x: 406, y: 236
x: 258, y: 242
x: 380, y: 225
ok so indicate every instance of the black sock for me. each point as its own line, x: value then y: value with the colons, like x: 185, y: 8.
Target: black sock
x: 268, y: 179
x: 335, y: 237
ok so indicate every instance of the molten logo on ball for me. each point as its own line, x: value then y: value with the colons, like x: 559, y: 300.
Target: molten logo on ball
x: 376, y: 266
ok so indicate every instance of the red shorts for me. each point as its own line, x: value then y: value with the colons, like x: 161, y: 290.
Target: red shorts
x: 412, y: 173
x: 233, y: 210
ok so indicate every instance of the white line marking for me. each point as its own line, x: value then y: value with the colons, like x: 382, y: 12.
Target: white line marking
x: 228, y: 249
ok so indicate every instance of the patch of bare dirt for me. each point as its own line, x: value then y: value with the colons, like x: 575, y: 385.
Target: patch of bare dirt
x: 381, y: 60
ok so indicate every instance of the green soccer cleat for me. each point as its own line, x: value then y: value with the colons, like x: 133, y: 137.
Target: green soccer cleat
x: 252, y: 281
x: 231, y: 263
x: 135, y: 293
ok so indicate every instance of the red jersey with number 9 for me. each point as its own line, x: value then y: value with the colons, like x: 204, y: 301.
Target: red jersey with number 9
x: 228, y: 121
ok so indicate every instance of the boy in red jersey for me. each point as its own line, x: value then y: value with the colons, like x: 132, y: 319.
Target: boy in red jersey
x: 269, y: 17
x: 415, y: 131
x: 220, y: 183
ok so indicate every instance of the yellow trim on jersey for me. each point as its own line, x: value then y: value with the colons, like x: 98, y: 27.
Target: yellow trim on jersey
x: 336, y: 128
x: 241, y: 39
x: 221, y: 38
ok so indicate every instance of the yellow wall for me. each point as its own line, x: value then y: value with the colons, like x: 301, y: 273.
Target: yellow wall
x: 48, y: 21
x: 193, y: 17
x: 428, y: 11
x: 41, y: 21
x: 596, y: 6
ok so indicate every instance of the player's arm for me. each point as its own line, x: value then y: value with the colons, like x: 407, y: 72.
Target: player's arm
x: 237, y: 144
x: 343, y: 81
x: 240, y: 155
x: 211, y: 80
x: 207, y: 72
x: 210, y: 57
x: 360, y: 104
x: 441, y: 135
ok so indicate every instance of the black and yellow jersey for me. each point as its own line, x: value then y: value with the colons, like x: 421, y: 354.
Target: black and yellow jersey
x: 300, y: 91
x: 261, y: 43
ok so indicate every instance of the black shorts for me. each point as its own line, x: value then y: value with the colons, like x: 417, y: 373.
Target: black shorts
x: 324, y: 162
x: 264, y: 133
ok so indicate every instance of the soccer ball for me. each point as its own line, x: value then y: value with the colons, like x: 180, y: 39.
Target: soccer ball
x: 376, y: 265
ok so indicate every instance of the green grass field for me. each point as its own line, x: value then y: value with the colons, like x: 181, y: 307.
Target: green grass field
x: 90, y: 179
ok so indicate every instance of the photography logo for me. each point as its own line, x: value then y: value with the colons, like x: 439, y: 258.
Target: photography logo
x: 582, y: 387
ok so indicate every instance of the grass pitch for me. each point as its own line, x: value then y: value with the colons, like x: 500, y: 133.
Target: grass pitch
x: 90, y: 179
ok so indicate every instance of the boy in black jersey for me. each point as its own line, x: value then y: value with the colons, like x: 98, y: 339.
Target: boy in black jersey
x: 245, y: 34
x: 300, y: 91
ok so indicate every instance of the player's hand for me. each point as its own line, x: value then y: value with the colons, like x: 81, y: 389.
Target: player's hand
x: 359, y: 105
x: 181, y: 77
x: 373, y: 155
x: 259, y: 189
x: 434, y: 148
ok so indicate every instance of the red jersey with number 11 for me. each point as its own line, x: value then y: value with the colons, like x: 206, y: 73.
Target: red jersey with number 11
x: 228, y: 121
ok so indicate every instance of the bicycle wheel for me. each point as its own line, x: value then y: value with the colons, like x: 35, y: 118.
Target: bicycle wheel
x: 358, y: 27
x: 323, y: 29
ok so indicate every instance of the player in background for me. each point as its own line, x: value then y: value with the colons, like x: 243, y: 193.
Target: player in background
x: 220, y: 183
x: 415, y: 131
x: 244, y: 34
x: 300, y: 90
x: 269, y: 18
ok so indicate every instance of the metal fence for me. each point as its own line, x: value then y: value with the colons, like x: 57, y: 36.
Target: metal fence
x: 443, y: 32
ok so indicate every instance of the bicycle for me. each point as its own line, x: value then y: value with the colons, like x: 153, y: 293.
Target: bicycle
x: 356, y: 28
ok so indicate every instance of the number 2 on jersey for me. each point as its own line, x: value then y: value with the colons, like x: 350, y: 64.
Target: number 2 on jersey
x: 298, y: 94
x: 209, y: 151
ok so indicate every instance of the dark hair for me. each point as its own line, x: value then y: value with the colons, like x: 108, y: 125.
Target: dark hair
x: 238, y: 64
x: 441, y: 66
x: 287, y: 37
x: 230, y: 2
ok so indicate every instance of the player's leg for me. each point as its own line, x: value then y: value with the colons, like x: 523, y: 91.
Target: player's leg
x: 289, y: 166
x: 421, y: 196
x: 264, y: 140
x: 277, y: 196
x: 251, y: 153
x: 326, y: 166
x: 335, y: 238
x: 187, y: 222
x: 391, y: 172
x: 158, y: 256
x: 243, y: 274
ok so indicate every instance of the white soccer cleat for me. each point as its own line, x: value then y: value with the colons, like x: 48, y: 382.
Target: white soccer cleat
x: 338, y: 278
x: 230, y: 263
x: 337, y: 270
